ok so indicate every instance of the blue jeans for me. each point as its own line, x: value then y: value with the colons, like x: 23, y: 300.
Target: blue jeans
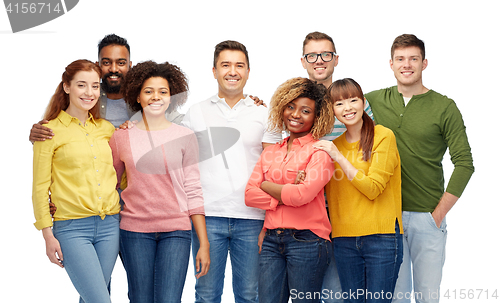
x: 89, y: 247
x: 368, y: 266
x: 331, y: 289
x: 424, y: 251
x: 292, y: 265
x: 239, y: 237
x: 156, y: 264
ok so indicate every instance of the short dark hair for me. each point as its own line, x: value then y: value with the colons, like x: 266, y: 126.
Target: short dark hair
x: 407, y: 40
x: 317, y: 36
x: 230, y: 45
x: 112, y: 39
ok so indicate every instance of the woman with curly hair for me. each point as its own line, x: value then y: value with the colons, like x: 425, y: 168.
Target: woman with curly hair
x: 288, y: 182
x: 163, y: 194
x: 364, y: 199
x: 75, y: 169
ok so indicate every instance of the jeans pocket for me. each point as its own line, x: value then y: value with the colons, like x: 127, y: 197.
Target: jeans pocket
x: 59, y: 225
x: 441, y: 228
x: 305, y: 236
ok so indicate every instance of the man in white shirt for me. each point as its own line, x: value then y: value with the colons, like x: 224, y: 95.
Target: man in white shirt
x: 232, y: 132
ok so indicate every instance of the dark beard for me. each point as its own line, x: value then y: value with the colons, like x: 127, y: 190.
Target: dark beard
x: 111, y: 89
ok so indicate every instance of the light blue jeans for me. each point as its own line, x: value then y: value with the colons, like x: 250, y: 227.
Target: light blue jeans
x: 424, y: 253
x: 89, y: 247
x: 156, y: 264
x: 239, y: 237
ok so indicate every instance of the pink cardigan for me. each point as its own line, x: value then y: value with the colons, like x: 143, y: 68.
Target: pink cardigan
x: 163, y: 183
x: 304, y: 203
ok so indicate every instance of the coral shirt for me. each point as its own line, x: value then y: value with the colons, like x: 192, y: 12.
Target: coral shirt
x: 304, y: 203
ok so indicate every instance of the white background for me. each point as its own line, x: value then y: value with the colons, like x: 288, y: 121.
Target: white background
x: 461, y: 46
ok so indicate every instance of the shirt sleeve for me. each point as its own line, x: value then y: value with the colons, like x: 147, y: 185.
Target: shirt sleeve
x: 254, y: 196
x: 384, y: 160
x: 460, y: 152
x: 43, y: 152
x: 192, y: 183
x: 319, y: 171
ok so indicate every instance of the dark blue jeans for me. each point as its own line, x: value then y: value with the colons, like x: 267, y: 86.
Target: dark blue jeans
x: 292, y: 265
x: 156, y: 264
x: 368, y: 266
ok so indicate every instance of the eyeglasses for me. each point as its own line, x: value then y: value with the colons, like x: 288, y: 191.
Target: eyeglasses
x: 325, y: 56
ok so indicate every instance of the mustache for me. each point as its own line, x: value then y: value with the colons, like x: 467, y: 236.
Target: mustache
x: 107, y: 75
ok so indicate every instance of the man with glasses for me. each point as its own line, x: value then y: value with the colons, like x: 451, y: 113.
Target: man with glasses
x: 319, y: 58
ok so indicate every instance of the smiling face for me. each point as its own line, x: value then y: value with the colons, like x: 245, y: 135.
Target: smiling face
x: 349, y: 111
x: 299, y: 116
x: 320, y: 71
x: 231, y: 72
x: 154, y: 96
x: 114, y: 61
x: 83, y: 91
x: 407, y: 64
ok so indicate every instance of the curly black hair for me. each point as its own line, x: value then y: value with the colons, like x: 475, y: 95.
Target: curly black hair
x: 138, y: 74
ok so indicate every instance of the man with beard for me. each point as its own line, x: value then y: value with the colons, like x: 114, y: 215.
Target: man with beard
x: 114, y: 60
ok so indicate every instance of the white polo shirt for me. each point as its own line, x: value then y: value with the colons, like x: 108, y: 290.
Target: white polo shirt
x: 230, y: 142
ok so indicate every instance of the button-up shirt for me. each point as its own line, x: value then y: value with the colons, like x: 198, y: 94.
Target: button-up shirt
x: 230, y: 141
x: 76, y: 169
x: 304, y: 203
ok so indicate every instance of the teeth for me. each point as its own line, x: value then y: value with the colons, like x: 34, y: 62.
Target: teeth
x: 349, y: 116
x: 294, y: 123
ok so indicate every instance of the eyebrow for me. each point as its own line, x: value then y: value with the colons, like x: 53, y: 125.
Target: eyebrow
x: 120, y: 59
x: 237, y: 62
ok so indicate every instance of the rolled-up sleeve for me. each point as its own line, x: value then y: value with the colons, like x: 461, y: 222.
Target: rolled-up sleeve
x: 254, y: 196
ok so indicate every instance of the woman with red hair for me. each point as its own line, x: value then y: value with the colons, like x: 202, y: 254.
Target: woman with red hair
x: 76, y: 169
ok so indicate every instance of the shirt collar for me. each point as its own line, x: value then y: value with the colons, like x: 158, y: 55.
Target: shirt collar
x: 301, y: 141
x: 66, y: 118
x: 246, y: 100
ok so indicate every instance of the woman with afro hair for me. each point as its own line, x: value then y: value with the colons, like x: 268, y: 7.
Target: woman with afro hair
x: 163, y: 193
x: 288, y: 182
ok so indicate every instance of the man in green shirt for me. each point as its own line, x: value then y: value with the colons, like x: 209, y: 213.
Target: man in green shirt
x: 425, y: 124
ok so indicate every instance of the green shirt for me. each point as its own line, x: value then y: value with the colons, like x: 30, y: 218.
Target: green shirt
x: 424, y: 129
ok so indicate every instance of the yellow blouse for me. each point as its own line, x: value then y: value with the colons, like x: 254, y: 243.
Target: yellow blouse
x: 76, y: 168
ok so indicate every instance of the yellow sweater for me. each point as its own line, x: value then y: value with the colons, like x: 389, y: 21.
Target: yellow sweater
x: 371, y: 202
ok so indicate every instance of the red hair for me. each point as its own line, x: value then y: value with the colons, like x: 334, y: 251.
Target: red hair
x: 60, y: 100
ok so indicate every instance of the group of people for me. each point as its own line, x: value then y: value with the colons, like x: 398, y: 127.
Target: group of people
x: 221, y: 179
